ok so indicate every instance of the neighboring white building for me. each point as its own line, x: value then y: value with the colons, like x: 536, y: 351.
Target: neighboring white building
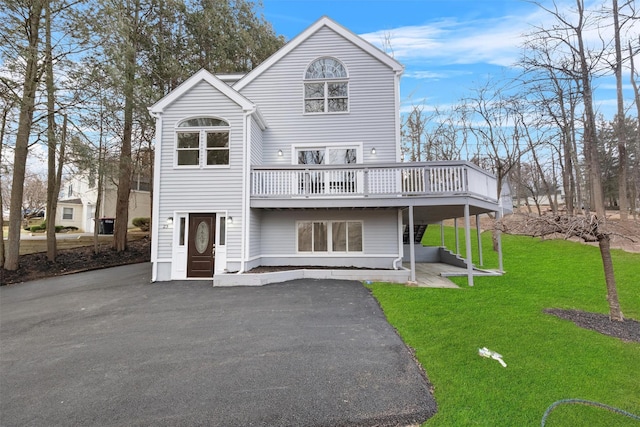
x: 297, y: 163
x: 76, y: 204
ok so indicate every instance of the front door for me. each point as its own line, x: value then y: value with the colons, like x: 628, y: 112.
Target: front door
x: 202, y: 250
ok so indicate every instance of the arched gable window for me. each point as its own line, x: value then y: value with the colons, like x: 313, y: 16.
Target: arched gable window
x: 326, y: 87
x: 202, y: 141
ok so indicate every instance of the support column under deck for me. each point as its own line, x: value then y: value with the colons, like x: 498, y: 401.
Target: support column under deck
x: 412, y: 249
x: 499, y: 239
x: 467, y: 238
x: 479, y: 234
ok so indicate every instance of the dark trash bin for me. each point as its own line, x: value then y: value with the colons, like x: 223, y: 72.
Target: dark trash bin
x: 106, y: 225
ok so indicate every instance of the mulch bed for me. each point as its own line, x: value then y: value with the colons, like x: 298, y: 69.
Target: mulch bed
x: 36, y: 266
x: 629, y: 330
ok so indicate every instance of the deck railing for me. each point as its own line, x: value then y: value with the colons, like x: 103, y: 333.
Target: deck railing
x: 415, y: 179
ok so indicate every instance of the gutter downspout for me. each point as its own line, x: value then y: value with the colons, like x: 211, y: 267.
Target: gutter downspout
x: 155, y: 215
x: 246, y: 152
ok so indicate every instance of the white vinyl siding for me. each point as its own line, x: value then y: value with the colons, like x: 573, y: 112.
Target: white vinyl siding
x: 207, y: 189
x: 379, y: 230
x: 372, y: 114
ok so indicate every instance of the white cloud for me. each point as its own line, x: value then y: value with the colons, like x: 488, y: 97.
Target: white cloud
x: 495, y: 41
x: 434, y: 75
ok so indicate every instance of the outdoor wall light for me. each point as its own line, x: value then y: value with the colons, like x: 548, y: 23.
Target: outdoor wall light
x: 229, y: 220
x: 373, y: 150
x: 168, y: 223
x: 279, y: 153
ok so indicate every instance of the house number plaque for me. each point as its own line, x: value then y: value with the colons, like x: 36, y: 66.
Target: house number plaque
x: 202, y: 237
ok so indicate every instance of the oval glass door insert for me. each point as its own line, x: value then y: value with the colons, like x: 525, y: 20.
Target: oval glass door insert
x: 202, y: 237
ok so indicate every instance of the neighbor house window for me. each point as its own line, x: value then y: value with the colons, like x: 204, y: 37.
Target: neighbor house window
x: 67, y: 213
x: 202, y: 141
x: 326, y: 87
x: 329, y: 236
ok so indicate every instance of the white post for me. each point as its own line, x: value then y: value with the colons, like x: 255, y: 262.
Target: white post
x: 499, y: 238
x: 411, y: 246
x: 480, y: 262
x: 467, y: 237
x: 455, y: 228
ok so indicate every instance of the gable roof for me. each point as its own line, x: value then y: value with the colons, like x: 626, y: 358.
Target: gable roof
x: 315, y: 27
x: 202, y: 75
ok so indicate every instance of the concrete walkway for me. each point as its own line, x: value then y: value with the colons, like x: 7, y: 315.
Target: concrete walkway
x: 430, y: 275
x: 109, y: 348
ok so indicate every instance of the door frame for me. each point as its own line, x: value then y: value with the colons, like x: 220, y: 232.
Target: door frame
x: 180, y: 244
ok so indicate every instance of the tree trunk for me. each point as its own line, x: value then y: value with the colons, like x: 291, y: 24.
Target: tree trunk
x: 612, y: 293
x: 590, y: 135
x: 3, y: 128
x: 636, y: 94
x: 495, y: 233
x: 620, y: 131
x: 25, y: 120
x: 124, y: 177
x: 567, y: 175
x: 52, y: 194
x: 96, y: 215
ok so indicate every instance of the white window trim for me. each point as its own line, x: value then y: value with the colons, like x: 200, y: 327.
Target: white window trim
x: 333, y: 145
x: 325, y: 81
x: 202, y: 149
x: 67, y: 219
x: 329, y: 226
x: 326, y: 98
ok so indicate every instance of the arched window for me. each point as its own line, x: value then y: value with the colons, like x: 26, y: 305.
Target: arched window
x: 326, y: 87
x: 202, y: 141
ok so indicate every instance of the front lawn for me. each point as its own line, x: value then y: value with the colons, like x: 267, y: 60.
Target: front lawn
x: 548, y: 358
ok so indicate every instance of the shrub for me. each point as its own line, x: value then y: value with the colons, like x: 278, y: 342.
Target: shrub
x: 143, y: 223
x: 36, y: 228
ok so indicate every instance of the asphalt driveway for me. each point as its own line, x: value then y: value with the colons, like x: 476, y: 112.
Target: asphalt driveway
x: 109, y: 348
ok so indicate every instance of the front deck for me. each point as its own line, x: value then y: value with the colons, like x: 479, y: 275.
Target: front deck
x: 373, y: 185
x: 426, y: 193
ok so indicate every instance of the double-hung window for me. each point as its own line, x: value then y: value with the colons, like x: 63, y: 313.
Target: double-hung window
x: 329, y: 236
x: 326, y: 87
x: 201, y: 142
x: 67, y: 213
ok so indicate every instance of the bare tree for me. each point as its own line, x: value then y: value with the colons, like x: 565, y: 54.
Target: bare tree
x: 413, y: 133
x: 620, y: 131
x: 636, y: 92
x: 568, y: 35
x: 34, y: 196
x: 9, y: 103
x: 30, y: 19
x: 492, y: 123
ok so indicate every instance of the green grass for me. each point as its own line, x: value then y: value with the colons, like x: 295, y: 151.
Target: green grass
x: 548, y: 358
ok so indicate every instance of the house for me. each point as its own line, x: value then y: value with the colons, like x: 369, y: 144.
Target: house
x: 77, y: 201
x: 298, y: 163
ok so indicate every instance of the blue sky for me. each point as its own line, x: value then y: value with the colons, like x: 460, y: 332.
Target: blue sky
x: 446, y: 46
